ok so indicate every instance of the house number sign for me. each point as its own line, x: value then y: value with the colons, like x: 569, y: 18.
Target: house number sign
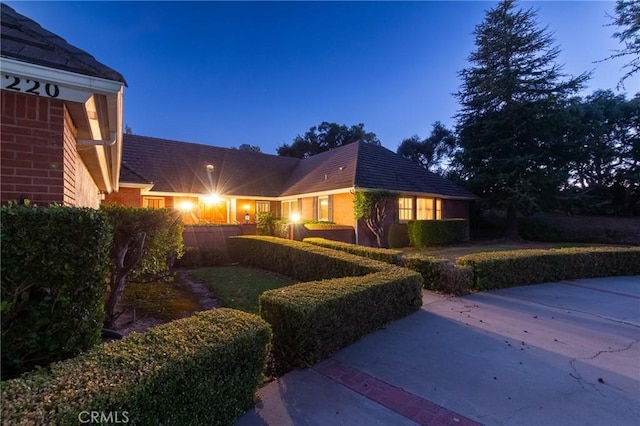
x: 31, y: 86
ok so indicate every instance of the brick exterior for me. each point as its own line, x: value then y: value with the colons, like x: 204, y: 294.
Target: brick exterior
x: 39, y: 160
x: 455, y: 209
x: 343, y: 213
x: 31, y: 160
x: 125, y: 196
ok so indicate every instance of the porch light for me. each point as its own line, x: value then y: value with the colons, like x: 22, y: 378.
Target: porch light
x: 213, y: 199
x: 186, y: 206
x: 295, y: 217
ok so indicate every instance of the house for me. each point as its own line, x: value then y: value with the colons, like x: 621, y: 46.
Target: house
x: 221, y: 185
x: 61, y: 125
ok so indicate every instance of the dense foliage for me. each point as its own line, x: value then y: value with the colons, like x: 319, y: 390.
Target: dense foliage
x: 519, y: 267
x: 204, y: 369
x: 510, y: 123
x: 325, y: 137
x: 395, y: 257
x: 434, y: 152
x: 441, y: 275
x: 425, y: 233
x: 145, y: 242
x: 54, y: 269
x: 627, y: 19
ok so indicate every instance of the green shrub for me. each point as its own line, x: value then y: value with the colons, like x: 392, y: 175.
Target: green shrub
x: 398, y: 235
x: 281, y: 228
x: 54, y: 270
x: 199, y: 370
x: 195, y: 257
x: 441, y: 275
x: 395, y: 257
x: 312, y: 320
x: 520, y: 267
x: 295, y: 259
x: 266, y: 223
x: 579, y: 229
x: 424, y: 233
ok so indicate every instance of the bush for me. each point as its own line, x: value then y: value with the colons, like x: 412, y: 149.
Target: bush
x: 312, y: 320
x: 519, y: 267
x: 266, y: 223
x: 441, y: 275
x: 398, y: 235
x: 199, y: 370
x: 580, y: 229
x: 395, y: 257
x: 54, y: 270
x: 424, y: 233
x: 195, y: 257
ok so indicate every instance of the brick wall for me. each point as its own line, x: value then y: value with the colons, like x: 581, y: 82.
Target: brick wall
x: 31, y: 157
x: 455, y: 209
x: 125, y: 197
x: 343, y: 213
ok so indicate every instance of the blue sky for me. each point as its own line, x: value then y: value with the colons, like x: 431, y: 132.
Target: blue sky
x: 261, y: 73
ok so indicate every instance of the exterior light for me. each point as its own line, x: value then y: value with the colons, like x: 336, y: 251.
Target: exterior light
x: 186, y: 206
x: 213, y: 199
x: 247, y: 217
x: 295, y: 217
x: 246, y: 207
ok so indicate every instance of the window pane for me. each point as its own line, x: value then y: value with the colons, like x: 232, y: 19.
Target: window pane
x: 438, y: 209
x: 323, y: 208
x: 405, y: 208
x: 425, y: 209
x: 262, y: 206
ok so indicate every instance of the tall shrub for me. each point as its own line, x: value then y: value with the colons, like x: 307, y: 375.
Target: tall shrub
x: 423, y: 233
x: 145, y: 242
x: 54, y: 271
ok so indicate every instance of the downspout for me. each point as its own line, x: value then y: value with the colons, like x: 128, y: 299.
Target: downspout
x: 91, y: 142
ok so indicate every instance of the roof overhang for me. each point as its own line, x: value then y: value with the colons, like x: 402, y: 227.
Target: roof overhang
x: 420, y: 194
x: 95, y: 106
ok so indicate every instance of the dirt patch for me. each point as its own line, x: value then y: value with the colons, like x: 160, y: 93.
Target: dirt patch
x: 134, y: 320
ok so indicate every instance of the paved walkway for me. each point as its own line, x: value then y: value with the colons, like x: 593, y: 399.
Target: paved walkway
x: 564, y: 353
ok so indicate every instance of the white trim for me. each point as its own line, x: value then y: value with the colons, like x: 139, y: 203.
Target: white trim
x: 56, y: 76
x: 422, y: 194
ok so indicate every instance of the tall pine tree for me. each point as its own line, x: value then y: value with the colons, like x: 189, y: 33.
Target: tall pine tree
x: 510, y: 124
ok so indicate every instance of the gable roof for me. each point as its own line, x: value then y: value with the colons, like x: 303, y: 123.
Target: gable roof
x: 25, y: 40
x: 181, y: 167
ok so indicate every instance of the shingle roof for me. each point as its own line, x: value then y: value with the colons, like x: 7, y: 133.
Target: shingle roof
x: 181, y: 167
x: 25, y: 40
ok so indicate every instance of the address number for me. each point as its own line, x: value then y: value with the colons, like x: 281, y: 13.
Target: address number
x: 33, y: 87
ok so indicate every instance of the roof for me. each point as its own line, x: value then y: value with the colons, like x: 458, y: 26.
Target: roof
x: 25, y: 40
x: 181, y: 167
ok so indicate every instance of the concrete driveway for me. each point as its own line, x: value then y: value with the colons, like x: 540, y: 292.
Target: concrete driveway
x: 565, y: 353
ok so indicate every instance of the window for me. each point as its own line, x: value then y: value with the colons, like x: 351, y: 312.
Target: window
x: 405, y: 209
x: 153, y: 202
x: 424, y: 209
x: 438, y: 209
x: 262, y: 207
x: 288, y: 208
x: 323, y: 208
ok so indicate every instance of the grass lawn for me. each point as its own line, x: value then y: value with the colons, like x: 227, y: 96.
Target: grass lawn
x: 164, y: 300
x: 239, y: 287
x: 452, y: 252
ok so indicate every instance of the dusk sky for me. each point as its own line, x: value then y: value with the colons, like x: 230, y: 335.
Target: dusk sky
x: 261, y: 73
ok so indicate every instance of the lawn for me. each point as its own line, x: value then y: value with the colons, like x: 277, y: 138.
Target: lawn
x: 452, y: 252
x: 239, y: 287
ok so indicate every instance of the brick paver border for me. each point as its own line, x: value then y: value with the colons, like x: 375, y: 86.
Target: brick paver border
x: 406, y: 404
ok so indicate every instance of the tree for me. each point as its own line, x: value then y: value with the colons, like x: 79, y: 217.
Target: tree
x: 510, y: 125
x: 627, y: 19
x: 145, y: 242
x: 247, y: 147
x: 604, y: 139
x: 325, y: 137
x: 371, y: 206
x: 432, y: 153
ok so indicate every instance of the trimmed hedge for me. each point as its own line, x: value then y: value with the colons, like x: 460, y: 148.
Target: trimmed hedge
x: 425, y: 233
x: 581, y: 229
x: 199, y: 370
x: 55, y: 262
x: 442, y: 275
x: 520, y: 267
x: 195, y: 257
x: 314, y: 319
x: 395, y: 257
x: 295, y: 259
x: 398, y: 235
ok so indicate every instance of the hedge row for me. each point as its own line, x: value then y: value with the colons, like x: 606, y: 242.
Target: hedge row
x: 424, y: 233
x: 55, y: 262
x: 395, y: 257
x: 195, y: 257
x: 312, y: 320
x: 199, y: 370
x: 519, y: 267
x: 442, y: 275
